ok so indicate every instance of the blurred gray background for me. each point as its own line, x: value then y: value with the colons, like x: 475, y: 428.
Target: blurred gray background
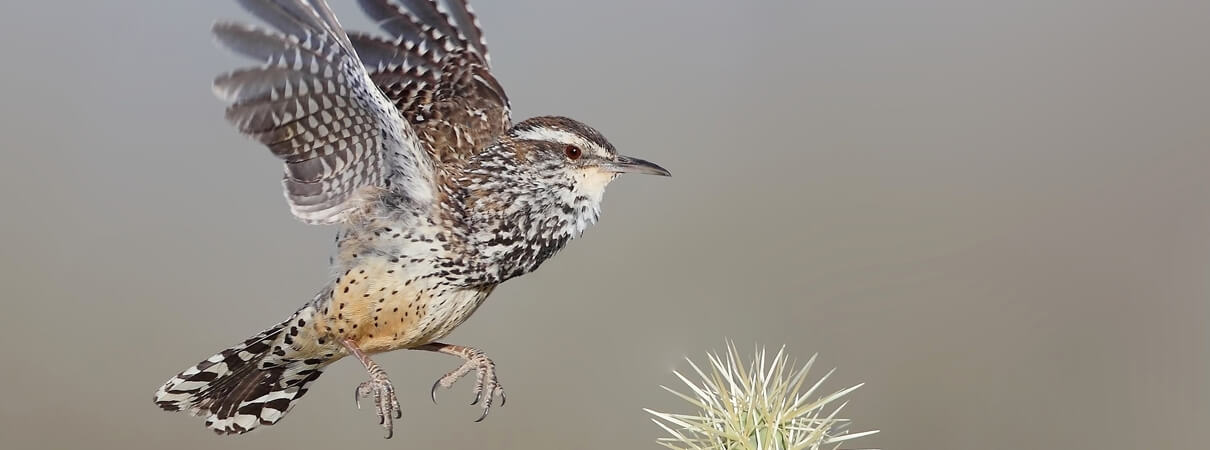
x: 995, y: 214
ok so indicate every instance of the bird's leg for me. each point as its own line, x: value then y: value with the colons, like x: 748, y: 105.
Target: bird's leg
x: 486, y: 386
x: 377, y: 387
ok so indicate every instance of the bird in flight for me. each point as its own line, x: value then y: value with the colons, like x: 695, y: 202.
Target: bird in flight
x: 406, y: 143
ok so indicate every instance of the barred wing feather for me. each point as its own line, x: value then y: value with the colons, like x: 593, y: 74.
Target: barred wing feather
x: 314, y: 105
x: 434, y: 68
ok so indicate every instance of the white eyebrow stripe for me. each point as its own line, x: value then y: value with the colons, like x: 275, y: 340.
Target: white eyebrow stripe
x: 560, y: 136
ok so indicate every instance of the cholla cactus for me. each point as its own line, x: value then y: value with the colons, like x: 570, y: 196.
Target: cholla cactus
x: 755, y: 406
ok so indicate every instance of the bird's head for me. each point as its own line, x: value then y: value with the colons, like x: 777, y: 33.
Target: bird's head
x: 546, y: 176
x: 571, y: 158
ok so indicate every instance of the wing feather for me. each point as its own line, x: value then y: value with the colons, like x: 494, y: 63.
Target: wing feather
x: 463, y: 18
x: 430, y: 16
x: 434, y: 68
x: 314, y: 105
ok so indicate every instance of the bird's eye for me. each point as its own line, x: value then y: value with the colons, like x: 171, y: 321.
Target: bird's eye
x: 572, y: 152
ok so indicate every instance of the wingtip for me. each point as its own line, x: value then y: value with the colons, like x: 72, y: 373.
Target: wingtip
x: 220, y: 89
x: 223, y: 33
x: 225, y: 26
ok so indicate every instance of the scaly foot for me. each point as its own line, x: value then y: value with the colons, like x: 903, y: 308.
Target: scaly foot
x: 379, y: 388
x: 386, y: 405
x: 487, y: 387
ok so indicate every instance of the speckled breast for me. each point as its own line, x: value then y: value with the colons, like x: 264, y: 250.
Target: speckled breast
x: 384, y: 303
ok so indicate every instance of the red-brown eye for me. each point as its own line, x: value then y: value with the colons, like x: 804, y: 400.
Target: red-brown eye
x: 572, y: 152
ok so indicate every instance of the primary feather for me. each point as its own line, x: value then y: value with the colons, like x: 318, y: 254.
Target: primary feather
x: 312, y: 102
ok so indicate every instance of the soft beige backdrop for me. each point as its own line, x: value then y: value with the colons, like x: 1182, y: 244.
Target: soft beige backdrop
x: 995, y: 214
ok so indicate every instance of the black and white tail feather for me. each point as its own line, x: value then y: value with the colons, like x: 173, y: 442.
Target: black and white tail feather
x: 253, y: 383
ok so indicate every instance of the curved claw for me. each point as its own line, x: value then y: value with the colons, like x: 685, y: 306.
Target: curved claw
x: 486, y: 386
x: 386, y: 405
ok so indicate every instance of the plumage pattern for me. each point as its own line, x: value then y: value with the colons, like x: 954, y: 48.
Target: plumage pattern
x: 313, y: 104
x: 435, y: 70
x: 253, y: 383
x: 406, y: 142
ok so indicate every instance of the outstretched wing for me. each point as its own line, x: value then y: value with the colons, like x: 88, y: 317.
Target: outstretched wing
x: 435, y: 70
x: 315, y: 106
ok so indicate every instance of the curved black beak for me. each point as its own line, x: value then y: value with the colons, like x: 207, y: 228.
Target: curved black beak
x: 626, y: 164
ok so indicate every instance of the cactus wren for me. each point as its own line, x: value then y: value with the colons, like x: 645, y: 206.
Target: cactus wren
x: 406, y: 143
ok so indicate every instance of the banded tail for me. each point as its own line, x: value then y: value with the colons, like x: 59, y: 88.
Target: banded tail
x: 250, y: 384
